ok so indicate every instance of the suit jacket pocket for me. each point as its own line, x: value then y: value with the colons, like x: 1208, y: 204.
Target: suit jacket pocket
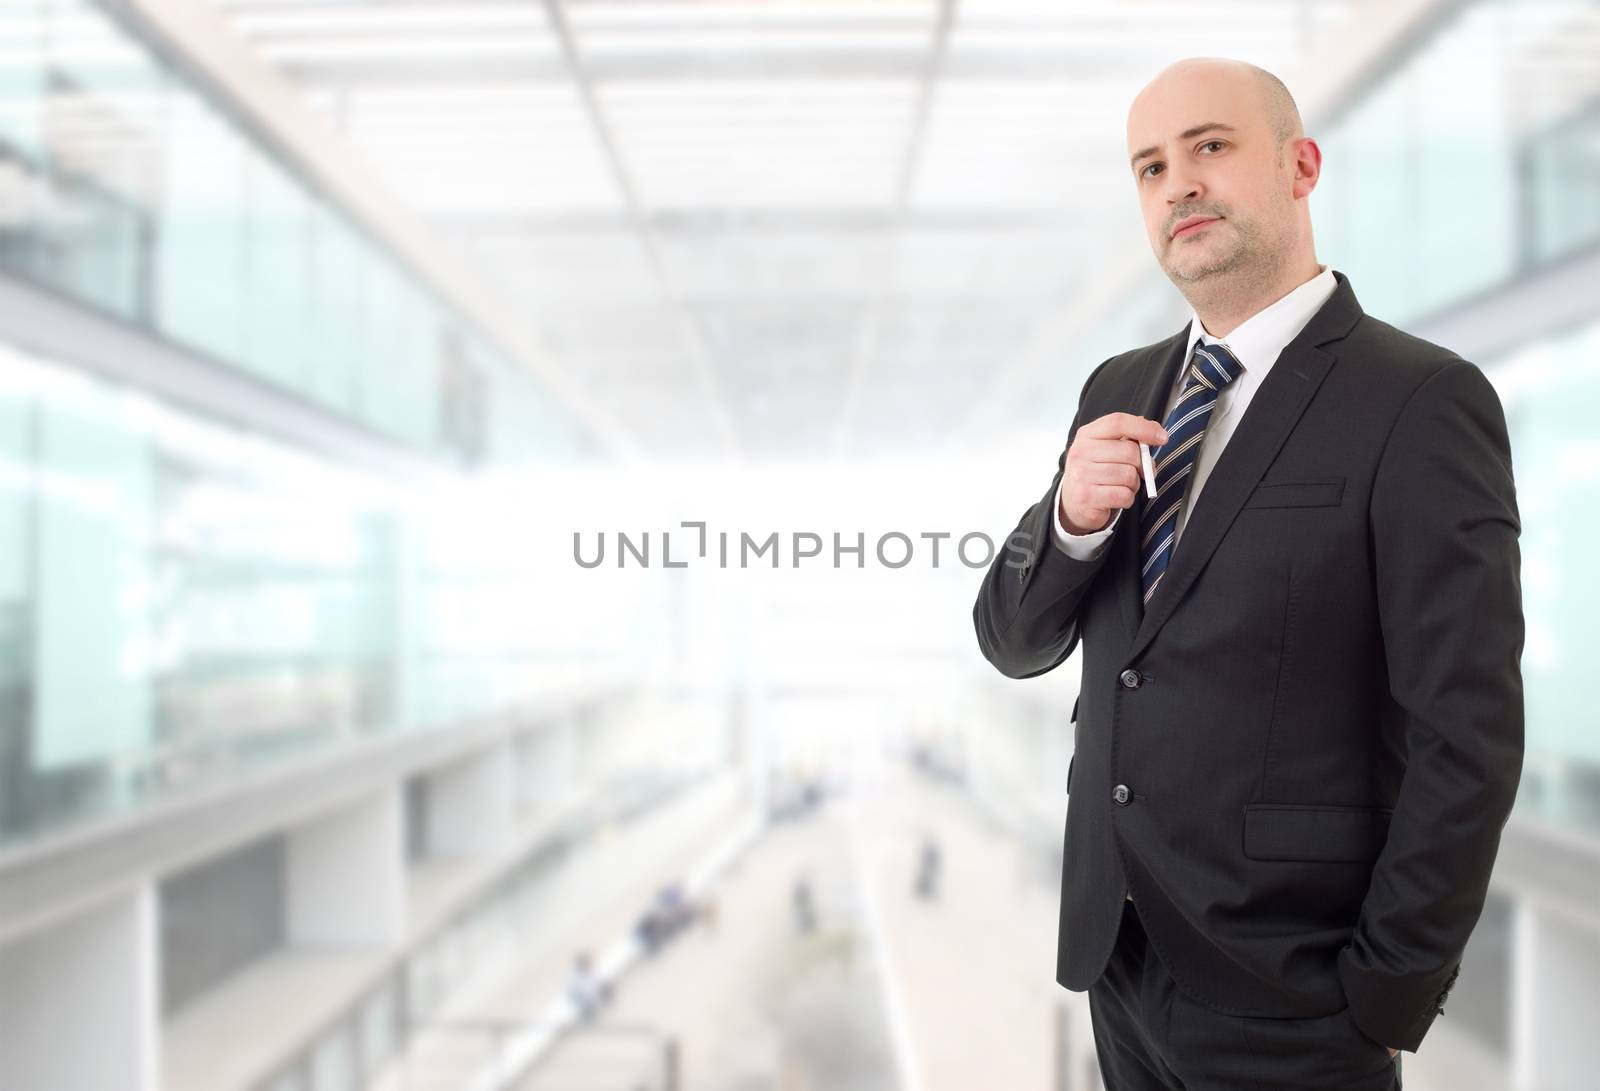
x: 1293, y: 831
x: 1297, y: 494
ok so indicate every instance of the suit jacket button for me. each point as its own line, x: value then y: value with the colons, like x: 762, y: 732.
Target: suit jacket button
x: 1121, y: 794
x: 1131, y: 679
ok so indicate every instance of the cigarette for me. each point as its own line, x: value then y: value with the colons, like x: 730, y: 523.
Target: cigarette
x: 1149, y: 470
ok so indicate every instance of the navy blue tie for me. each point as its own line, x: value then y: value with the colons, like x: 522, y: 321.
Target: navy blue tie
x: 1210, y: 369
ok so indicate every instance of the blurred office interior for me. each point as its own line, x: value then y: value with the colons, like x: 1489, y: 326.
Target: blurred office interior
x: 331, y: 329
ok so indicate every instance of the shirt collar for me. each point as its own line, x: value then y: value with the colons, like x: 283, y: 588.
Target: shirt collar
x: 1258, y: 341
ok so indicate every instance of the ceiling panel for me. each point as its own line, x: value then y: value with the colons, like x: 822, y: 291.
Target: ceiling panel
x: 769, y: 229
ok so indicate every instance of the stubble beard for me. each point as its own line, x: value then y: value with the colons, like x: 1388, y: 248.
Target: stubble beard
x: 1239, y: 267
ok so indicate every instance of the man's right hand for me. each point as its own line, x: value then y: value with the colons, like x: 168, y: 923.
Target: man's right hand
x: 1102, y: 469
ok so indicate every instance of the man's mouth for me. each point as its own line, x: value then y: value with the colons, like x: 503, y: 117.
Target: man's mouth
x: 1191, y: 224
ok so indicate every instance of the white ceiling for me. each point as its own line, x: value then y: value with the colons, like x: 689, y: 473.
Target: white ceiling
x: 767, y: 230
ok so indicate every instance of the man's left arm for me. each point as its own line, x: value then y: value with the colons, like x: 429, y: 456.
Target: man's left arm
x: 1444, y: 526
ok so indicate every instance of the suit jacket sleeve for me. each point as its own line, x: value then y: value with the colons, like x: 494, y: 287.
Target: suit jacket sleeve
x: 1444, y: 527
x: 1026, y: 615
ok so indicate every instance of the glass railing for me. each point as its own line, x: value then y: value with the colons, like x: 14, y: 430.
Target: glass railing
x: 181, y: 602
x: 125, y: 188
x: 1470, y: 163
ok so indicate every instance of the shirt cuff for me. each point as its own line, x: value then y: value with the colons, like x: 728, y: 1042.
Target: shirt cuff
x: 1081, y: 547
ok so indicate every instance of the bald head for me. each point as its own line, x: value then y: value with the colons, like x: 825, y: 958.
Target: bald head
x: 1282, y: 114
x: 1245, y: 84
x: 1222, y: 165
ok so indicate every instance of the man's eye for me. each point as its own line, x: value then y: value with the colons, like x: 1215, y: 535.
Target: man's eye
x: 1209, y: 143
x: 1146, y: 171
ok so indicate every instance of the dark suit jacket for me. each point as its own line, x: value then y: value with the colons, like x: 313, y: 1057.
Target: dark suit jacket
x: 1318, y: 721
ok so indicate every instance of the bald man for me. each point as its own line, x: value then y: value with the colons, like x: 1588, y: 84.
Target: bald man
x: 1299, y: 729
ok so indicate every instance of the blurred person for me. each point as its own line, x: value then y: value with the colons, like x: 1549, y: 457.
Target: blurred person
x: 669, y: 913
x: 584, y: 989
x: 1302, y: 728
x: 925, y: 885
x: 804, y: 905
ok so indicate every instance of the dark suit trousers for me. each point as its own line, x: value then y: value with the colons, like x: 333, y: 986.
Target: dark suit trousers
x: 1151, y: 1036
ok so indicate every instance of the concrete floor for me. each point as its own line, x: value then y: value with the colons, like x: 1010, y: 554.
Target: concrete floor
x: 890, y: 992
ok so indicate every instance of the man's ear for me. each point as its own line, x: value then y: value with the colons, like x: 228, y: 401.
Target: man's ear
x: 1307, y: 164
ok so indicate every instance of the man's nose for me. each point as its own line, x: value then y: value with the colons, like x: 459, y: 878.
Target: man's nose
x: 1181, y: 186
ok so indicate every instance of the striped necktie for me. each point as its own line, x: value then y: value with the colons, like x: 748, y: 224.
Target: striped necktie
x: 1210, y: 369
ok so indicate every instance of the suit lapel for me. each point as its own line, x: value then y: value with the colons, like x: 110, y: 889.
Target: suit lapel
x: 1271, y: 415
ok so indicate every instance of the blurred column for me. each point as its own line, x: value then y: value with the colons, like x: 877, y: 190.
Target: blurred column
x: 1557, y: 964
x: 78, y: 1000
x: 469, y: 804
x: 565, y: 773
x: 738, y: 743
x: 542, y: 772
x: 346, y: 876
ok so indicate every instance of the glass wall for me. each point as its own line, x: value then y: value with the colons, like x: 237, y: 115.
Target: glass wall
x: 1471, y: 163
x: 1545, y: 387
x: 124, y: 188
x: 181, y: 601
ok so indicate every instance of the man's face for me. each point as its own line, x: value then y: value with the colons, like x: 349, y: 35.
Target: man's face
x: 1203, y: 150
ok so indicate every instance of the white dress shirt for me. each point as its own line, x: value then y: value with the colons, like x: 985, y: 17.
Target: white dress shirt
x: 1256, y: 344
